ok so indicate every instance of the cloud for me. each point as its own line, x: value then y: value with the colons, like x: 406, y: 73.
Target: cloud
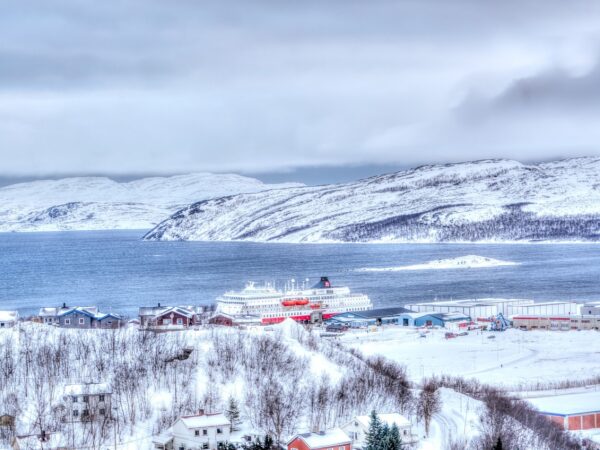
x: 156, y: 86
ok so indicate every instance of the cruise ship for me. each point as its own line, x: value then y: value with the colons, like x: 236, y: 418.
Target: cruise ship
x: 303, y: 304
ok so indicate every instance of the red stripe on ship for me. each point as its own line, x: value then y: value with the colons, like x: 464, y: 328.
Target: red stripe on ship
x: 271, y: 320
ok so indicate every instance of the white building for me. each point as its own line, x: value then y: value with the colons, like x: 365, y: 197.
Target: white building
x: 87, y: 402
x: 358, y: 428
x: 8, y: 319
x: 476, y: 309
x: 590, y: 309
x: 198, y: 432
x: 544, y: 309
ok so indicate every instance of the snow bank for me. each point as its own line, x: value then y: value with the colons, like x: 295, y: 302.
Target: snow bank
x: 461, y: 262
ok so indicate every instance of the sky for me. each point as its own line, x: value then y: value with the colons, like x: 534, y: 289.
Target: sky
x: 341, y: 87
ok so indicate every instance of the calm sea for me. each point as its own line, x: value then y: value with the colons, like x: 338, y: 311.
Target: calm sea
x: 117, y: 271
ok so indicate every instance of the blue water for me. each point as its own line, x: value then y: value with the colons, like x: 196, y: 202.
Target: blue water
x: 117, y: 271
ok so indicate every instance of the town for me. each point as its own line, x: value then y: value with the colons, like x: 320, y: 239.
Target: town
x: 86, y: 403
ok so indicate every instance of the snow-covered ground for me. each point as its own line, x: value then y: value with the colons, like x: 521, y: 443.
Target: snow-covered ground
x: 98, y: 203
x: 511, y: 359
x: 461, y: 262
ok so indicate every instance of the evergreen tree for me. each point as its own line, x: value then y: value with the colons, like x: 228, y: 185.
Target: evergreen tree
x: 233, y: 414
x: 498, y: 445
x: 374, y: 435
x: 393, y: 439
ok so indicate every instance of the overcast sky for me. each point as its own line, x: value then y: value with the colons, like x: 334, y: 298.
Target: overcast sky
x: 146, y: 86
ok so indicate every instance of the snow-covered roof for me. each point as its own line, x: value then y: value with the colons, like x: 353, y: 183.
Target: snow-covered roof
x: 416, y: 315
x: 389, y: 419
x: 564, y: 405
x: 87, y: 388
x: 163, y: 438
x: 9, y: 316
x: 332, y: 437
x: 34, y: 442
x: 62, y: 310
x: 205, y: 420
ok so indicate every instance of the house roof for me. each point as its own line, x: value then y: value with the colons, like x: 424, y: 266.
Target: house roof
x: 371, y: 314
x: 163, y: 438
x: 332, y: 437
x: 205, y: 420
x: 87, y: 388
x: 90, y: 311
x: 8, y: 316
x: 390, y: 419
x: 33, y: 442
x: 177, y: 310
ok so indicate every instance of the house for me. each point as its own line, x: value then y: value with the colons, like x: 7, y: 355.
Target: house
x: 200, y: 431
x: 170, y: 317
x: 8, y: 319
x: 358, y: 428
x: 333, y: 439
x: 380, y: 316
x: 87, y: 402
x: 43, y: 441
x: 237, y: 320
x: 79, y: 317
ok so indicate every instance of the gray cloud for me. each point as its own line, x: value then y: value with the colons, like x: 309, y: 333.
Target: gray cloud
x: 159, y: 86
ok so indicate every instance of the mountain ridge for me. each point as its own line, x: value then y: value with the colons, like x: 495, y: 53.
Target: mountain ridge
x: 487, y: 200
x: 100, y: 203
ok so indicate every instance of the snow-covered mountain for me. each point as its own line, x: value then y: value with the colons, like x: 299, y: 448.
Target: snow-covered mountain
x: 97, y: 203
x: 491, y: 200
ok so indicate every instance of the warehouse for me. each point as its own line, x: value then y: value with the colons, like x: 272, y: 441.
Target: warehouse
x: 432, y: 319
x: 579, y: 411
x: 544, y: 309
x: 482, y: 308
x: 380, y: 316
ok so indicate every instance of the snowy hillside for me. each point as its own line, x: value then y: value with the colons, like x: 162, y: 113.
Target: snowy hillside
x: 492, y: 200
x: 94, y: 203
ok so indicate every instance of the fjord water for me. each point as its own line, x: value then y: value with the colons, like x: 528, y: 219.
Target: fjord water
x: 117, y: 271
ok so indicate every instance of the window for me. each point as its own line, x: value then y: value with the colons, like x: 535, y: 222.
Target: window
x: 179, y: 321
x: 205, y: 446
x: 86, y: 399
x: 101, y: 398
x: 197, y: 432
x: 219, y: 431
x: 85, y: 413
x: 67, y: 321
x: 204, y: 432
x: 75, y: 413
x: 109, y: 323
x: 74, y: 398
x: 102, y: 411
x: 81, y: 321
x: 166, y: 321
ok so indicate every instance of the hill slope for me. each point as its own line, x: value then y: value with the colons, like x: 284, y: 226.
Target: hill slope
x: 491, y: 200
x: 95, y: 203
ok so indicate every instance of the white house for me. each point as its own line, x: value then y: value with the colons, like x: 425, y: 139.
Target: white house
x: 358, y: 428
x: 8, y: 319
x: 87, y: 402
x: 198, y: 432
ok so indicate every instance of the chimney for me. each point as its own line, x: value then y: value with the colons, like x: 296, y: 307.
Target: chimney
x: 64, y: 305
x: 159, y: 304
x: 200, y: 412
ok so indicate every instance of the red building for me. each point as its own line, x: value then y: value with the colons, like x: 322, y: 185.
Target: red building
x: 579, y: 411
x: 335, y: 439
x: 169, y: 317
